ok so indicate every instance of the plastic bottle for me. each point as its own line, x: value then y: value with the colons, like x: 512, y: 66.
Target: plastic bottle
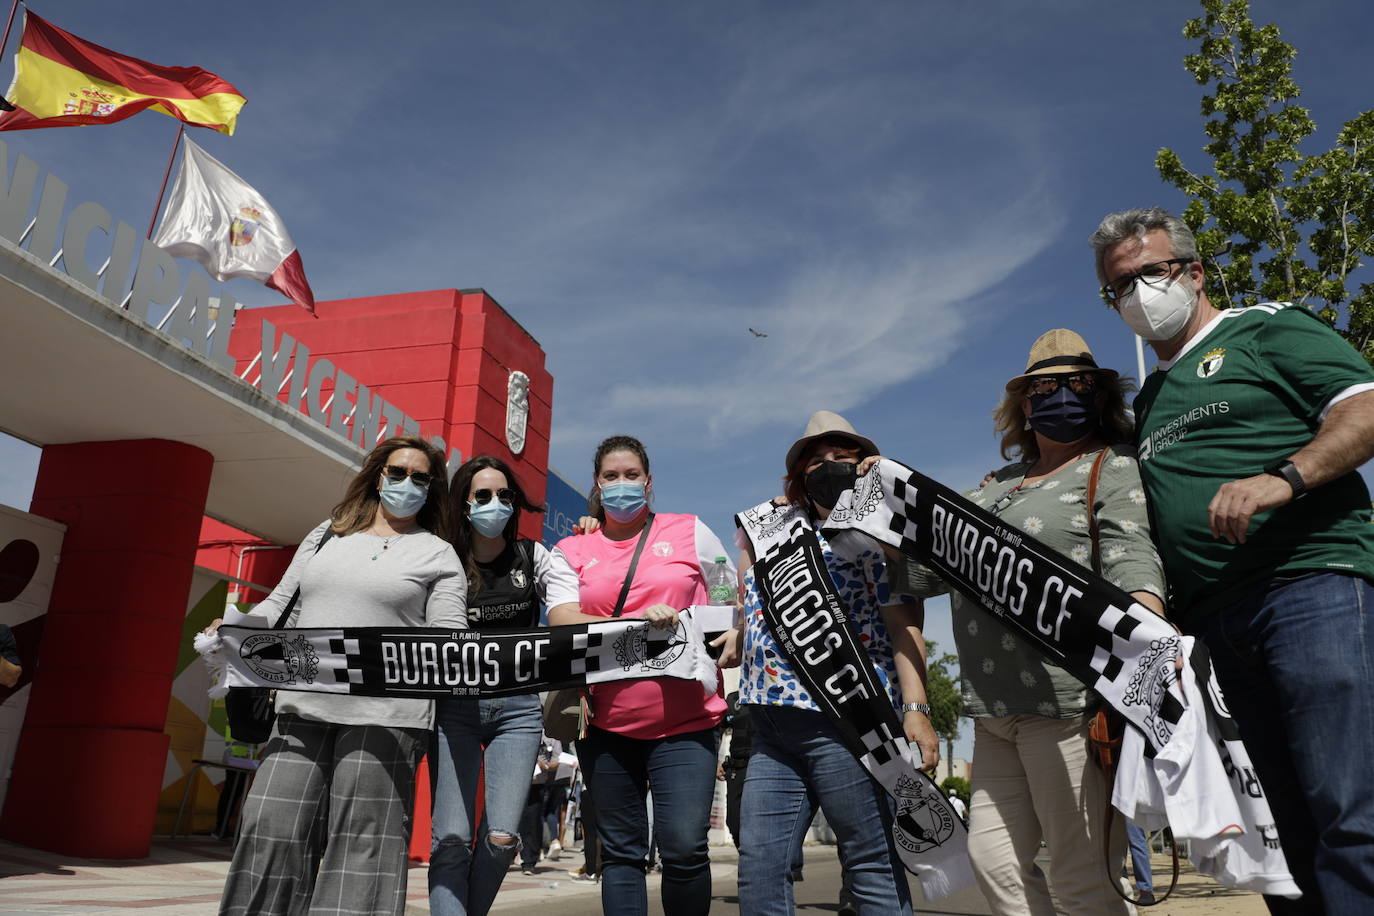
x: 720, y: 585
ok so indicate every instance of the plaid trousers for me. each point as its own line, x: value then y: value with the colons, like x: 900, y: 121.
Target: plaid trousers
x: 326, y: 827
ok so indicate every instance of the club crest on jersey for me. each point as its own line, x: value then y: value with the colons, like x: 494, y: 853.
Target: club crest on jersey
x: 517, y: 578
x: 1210, y: 363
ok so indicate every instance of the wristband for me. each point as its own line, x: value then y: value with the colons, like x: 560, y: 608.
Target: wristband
x: 922, y: 708
x: 1289, y: 472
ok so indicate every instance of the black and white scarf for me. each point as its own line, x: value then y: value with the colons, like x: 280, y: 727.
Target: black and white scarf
x: 810, y: 625
x: 427, y: 663
x: 1081, y: 622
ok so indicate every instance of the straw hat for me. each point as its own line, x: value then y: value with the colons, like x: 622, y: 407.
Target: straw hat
x: 827, y: 423
x: 1059, y: 352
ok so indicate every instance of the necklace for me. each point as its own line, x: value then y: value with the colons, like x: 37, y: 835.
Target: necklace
x: 386, y: 542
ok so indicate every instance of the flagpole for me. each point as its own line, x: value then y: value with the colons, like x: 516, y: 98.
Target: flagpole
x: 157, y: 208
x: 9, y: 23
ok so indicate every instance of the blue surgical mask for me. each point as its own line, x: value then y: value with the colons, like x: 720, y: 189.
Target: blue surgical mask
x: 403, y: 499
x: 623, y: 501
x: 1064, y: 415
x: 490, y: 517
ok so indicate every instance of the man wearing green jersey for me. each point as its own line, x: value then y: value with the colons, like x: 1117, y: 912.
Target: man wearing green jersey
x: 1249, y: 435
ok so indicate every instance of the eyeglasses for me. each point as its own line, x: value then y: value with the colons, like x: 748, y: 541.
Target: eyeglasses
x: 1079, y: 383
x: 1153, y: 274
x: 484, y: 495
x: 396, y: 474
x: 1005, y: 499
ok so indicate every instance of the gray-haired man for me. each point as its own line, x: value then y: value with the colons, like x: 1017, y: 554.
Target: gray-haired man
x: 1249, y: 434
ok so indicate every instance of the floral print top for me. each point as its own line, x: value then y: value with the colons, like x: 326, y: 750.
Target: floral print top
x: 1000, y: 674
x: 766, y: 679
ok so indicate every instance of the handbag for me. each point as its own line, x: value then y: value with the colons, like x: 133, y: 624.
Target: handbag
x: 252, y: 710
x: 565, y: 710
x: 1107, y: 727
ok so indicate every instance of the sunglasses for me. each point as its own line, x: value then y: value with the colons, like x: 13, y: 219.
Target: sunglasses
x: 397, y: 474
x: 484, y: 495
x: 1079, y: 383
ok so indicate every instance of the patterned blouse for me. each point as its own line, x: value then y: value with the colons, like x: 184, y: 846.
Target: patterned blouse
x: 861, y: 581
x: 1001, y: 675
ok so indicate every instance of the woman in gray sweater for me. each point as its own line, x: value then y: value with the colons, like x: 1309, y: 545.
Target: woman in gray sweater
x: 326, y: 827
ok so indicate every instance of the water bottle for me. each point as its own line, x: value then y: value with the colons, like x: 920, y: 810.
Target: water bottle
x: 720, y: 585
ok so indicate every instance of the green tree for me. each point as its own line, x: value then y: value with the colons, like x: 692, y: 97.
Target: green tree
x: 1296, y: 227
x: 942, y: 692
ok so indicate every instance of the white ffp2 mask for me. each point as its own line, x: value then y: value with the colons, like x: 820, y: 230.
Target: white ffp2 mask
x: 1159, y: 312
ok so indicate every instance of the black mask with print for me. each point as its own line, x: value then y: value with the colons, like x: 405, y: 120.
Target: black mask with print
x: 825, y: 484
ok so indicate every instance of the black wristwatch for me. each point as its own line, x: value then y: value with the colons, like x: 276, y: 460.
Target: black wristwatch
x: 1289, y: 472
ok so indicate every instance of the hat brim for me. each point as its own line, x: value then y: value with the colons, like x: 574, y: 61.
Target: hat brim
x: 1060, y: 370
x: 800, y: 445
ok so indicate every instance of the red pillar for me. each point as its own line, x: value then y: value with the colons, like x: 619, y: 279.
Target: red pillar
x: 89, y: 767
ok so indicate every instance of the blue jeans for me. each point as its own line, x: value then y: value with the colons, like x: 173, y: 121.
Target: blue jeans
x: 540, y: 817
x: 1296, y: 662
x: 799, y: 763
x: 680, y: 771
x: 464, y: 881
x: 1140, y: 857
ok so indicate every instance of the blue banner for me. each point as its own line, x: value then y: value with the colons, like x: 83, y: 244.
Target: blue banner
x: 564, y: 505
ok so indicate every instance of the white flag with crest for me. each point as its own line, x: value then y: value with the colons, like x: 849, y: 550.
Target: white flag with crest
x: 220, y: 220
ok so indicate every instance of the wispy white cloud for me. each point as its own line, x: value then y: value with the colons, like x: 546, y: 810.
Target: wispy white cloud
x: 805, y: 189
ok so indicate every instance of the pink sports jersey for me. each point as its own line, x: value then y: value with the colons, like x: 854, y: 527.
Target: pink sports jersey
x: 669, y: 572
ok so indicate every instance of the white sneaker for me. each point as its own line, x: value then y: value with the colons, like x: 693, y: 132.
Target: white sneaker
x: 555, y: 850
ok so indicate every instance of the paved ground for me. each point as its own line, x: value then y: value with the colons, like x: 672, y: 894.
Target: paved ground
x: 185, y: 877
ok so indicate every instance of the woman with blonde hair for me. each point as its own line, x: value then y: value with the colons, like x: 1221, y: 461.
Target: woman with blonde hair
x: 326, y: 827
x: 1074, y: 485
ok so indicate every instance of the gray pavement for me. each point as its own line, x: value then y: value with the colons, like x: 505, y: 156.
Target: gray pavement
x: 185, y: 876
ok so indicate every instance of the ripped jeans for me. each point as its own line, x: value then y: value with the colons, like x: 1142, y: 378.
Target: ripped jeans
x: 463, y: 880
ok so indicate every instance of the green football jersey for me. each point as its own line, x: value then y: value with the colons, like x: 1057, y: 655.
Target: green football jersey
x: 1249, y: 392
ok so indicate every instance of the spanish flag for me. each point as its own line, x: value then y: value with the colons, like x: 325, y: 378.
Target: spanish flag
x: 61, y: 80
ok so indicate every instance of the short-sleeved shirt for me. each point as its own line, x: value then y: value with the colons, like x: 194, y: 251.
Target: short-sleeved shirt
x: 672, y: 570
x: 1001, y: 674
x: 9, y: 647
x: 513, y: 583
x: 1249, y: 390
x: 860, y: 577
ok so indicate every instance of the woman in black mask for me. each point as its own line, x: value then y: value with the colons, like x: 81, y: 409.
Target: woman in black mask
x: 798, y: 759
x: 1075, y: 485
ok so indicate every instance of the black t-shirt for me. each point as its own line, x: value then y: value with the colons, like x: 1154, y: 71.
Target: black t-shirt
x: 508, y: 597
x: 9, y: 649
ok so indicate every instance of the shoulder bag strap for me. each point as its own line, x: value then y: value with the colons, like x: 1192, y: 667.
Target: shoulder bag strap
x: 634, y: 562
x: 1090, y: 500
x: 584, y: 716
x: 295, y: 599
x: 1115, y: 723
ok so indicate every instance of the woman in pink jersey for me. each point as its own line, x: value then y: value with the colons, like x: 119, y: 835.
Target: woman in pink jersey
x: 657, y: 734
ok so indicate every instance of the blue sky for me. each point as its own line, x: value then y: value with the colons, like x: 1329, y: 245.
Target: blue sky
x: 897, y: 194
